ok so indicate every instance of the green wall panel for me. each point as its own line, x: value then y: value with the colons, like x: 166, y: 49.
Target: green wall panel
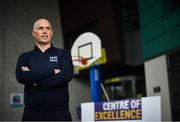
x: 144, y: 4
x: 160, y: 31
x: 171, y: 21
x: 151, y: 14
x: 152, y: 48
x: 152, y: 31
x: 173, y: 38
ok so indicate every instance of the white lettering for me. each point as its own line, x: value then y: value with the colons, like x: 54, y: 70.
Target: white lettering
x: 138, y: 103
x: 96, y: 75
x: 117, y: 105
x: 135, y: 103
x: 53, y: 59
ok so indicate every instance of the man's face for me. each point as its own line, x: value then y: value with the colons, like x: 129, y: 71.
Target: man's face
x: 42, y: 32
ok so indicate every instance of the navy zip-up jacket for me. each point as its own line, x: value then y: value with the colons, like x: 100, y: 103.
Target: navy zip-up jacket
x: 50, y: 94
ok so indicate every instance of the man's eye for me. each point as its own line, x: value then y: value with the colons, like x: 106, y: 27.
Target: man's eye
x: 40, y: 28
x: 48, y: 28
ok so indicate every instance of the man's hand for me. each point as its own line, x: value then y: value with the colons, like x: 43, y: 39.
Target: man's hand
x: 25, y: 68
x: 56, y: 71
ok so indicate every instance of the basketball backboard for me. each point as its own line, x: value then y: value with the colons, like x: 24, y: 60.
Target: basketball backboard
x: 86, y: 49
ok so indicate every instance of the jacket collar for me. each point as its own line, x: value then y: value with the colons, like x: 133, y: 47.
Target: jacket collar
x: 37, y: 48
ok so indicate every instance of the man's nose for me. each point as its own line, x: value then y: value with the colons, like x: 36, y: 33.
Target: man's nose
x: 44, y: 31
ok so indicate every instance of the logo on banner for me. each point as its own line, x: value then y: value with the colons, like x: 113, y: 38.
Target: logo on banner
x: 128, y: 109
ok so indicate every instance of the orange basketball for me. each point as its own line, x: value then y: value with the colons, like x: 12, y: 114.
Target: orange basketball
x: 84, y: 61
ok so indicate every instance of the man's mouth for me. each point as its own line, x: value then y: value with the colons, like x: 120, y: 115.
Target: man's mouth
x: 44, y: 36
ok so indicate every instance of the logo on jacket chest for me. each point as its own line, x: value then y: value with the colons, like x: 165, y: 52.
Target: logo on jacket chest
x: 53, y: 59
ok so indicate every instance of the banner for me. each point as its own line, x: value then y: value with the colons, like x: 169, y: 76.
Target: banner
x: 125, y: 110
x: 128, y: 109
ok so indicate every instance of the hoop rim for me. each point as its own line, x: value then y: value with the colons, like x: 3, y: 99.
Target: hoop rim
x: 80, y: 59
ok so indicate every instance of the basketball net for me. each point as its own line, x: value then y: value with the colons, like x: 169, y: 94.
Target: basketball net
x: 80, y: 59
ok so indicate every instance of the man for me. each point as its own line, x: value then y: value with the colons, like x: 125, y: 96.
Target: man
x: 45, y: 71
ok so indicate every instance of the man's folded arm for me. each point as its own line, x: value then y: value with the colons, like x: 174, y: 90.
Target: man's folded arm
x: 64, y: 76
x: 26, y: 77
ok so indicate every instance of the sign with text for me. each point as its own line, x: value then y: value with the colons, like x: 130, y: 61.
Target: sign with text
x: 125, y: 110
x: 128, y: 109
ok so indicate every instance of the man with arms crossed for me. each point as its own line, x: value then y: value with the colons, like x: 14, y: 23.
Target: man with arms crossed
x: 45, y: 71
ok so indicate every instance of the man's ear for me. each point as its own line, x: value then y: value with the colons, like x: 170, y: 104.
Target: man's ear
x: 33, y: 33
x: 52, y: 33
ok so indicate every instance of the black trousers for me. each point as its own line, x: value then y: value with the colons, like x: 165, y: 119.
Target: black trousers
x: 47, y: 116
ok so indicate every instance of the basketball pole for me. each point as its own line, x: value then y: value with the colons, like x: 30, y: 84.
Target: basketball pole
x: 95, y: 78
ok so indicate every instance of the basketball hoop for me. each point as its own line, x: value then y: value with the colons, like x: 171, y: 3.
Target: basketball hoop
x: 86, y: 50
